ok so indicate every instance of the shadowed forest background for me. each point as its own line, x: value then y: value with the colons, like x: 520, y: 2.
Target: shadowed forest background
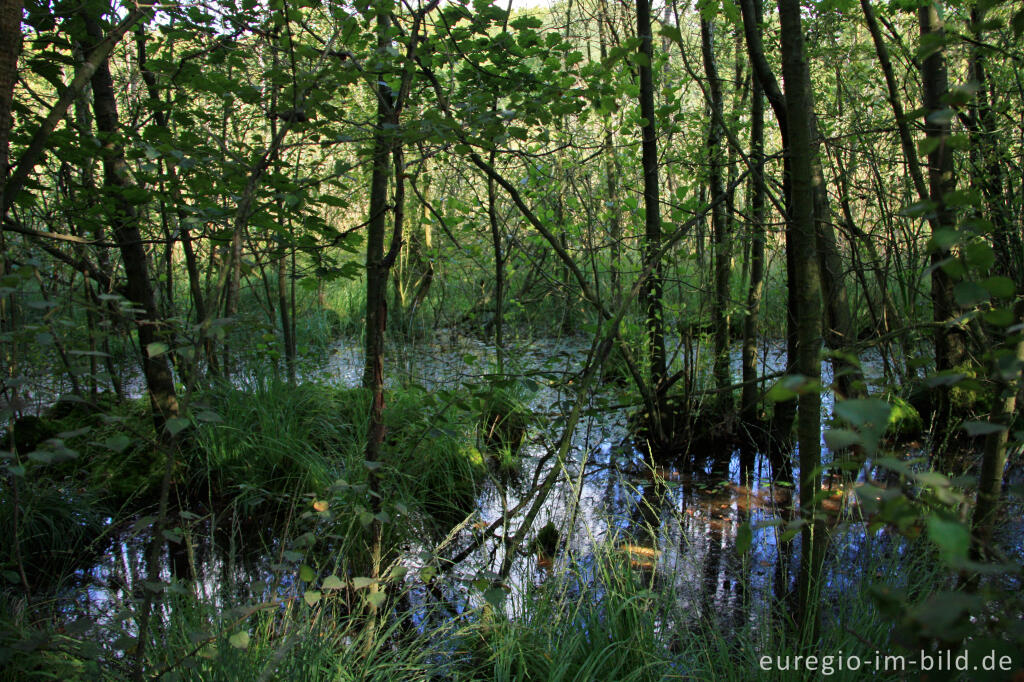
x: 454, y: 340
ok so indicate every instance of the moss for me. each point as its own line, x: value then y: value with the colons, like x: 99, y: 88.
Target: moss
x: 29, y: 432
x: 546, y: 542
x: 504, y: 420
x: 905, y: 421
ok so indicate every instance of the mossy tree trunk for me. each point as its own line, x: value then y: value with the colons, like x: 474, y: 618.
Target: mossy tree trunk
x: 651, y: 292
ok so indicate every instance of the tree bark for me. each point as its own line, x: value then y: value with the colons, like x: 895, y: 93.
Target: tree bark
x: 651, y: 293
x: 155, y: 366
x: 799, y: 106
x: 949, y: 341
x: 749, y: 397
x: 10, y: 49
x: 719, y: 223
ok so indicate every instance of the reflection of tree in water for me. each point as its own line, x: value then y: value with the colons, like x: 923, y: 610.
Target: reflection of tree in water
x: 645, y: 526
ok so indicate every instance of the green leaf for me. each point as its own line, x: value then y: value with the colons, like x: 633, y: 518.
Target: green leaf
x: 962, y: 197
x: 176, y: 425
x: 672, y: 33
x: 918, y: 209
x: 951, y: 537
x: 980, y: 254
x: 840, y: 439
x: 306, y: 573
x: 940, y: 116
x: 969, y: 293
x: 1000, y: 317
x: 311, y: 597
x: 945, y: 378
x: 239, y: 640
x: 118, y: 443
x: 943, y: 239
x: 156, y: 349
x: 376, y: 599
x: 495, y: 596
x: 1018, y: 23
x: 332, y: 582
x: 361, y: 582
x: 865, y: 412
x: 786, y: 388
x: 981, y: 428
x: 744, y: 537
x: 928, y: 145
x: 999, y: 286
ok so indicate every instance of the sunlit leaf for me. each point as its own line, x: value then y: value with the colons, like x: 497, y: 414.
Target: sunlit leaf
x: 239, y: 640
x: 156, y: 349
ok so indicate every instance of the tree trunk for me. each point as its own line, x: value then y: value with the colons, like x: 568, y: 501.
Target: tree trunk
x: 799, y: 105
x: 155, y: 367
x: 10, y: 29
x: 949, y: 342
x: 376, y: 298
x: 785, y: 411
x: 612, y: 172
x: 125, y: 224
x: 650, y: 294
x: 906, y: 141
x: 499, y: 274
x: 719, y: 223
x: 750, y: 392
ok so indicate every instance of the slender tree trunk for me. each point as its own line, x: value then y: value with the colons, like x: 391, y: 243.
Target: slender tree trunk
x: 174, y: 184
x: 650, y: 294
x: 499, y: 274
x: 612, y: 172
x: 719, y: 223
x: 282, y: 306
x: 387, y: 149
x: 799, y: 105
x: 376, y: 299
x: 784, y: 412
x: 1006, y: 373
x: 125, y: 225
x: 10, y: 49
x: 949, y: 342
x: 155, y: 366
x: 1006, y: 361
x: 906, y: 141
x: 749, y: 396
x: 990, y: 174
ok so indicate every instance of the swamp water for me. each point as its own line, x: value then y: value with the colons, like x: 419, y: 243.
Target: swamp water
x: 677, y: 525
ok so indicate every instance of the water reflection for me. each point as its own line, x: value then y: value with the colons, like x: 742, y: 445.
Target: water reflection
x: 678, y: 523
